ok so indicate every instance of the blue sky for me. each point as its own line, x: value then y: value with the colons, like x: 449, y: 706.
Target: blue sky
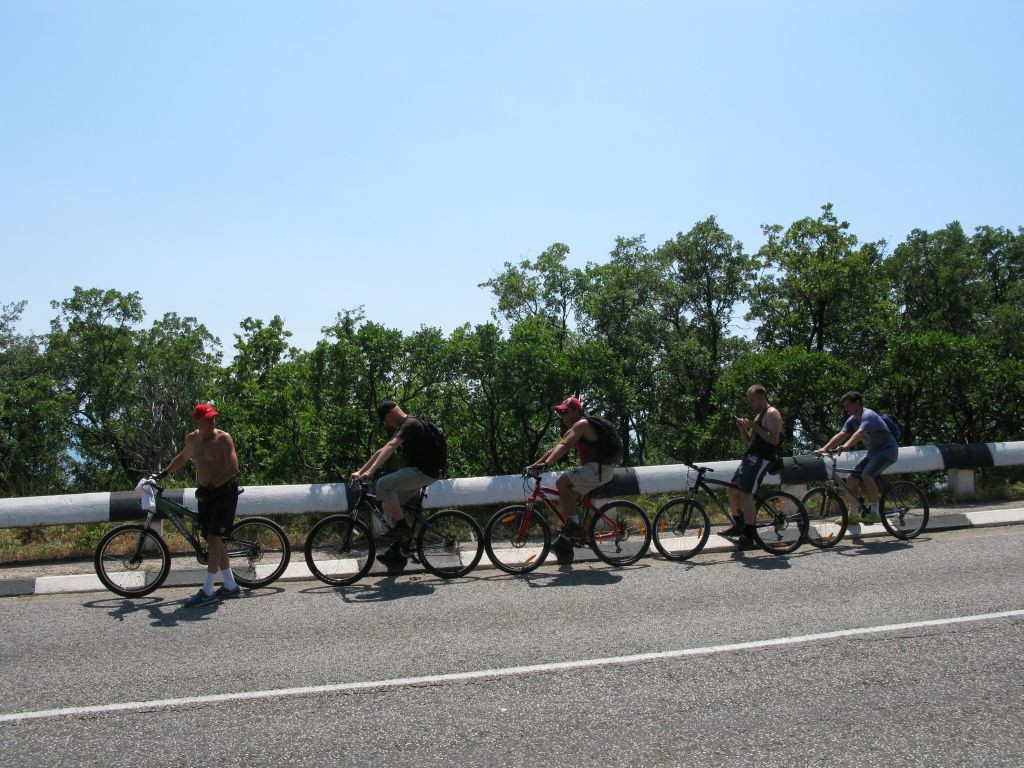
x: 236, y: 159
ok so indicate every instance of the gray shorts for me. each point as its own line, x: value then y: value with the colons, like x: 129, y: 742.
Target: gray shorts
x: 590, y: 476
x: 403, y: 485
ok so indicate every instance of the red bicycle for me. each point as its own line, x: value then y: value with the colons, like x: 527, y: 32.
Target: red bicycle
x: 517, y: 539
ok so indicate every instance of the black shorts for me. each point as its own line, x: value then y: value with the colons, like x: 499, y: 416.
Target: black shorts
x: 217, y: 508
x: 751, y: 472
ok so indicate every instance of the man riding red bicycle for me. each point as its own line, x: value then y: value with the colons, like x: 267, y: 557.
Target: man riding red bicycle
x: 598, y: 447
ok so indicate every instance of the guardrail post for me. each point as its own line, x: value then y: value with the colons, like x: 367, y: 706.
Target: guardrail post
x: 961, y: 482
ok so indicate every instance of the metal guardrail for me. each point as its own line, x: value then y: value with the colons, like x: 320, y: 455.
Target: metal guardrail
x: 482, y: 491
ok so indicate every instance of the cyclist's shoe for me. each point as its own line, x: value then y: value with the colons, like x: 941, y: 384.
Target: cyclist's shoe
x: 563, y: 551
x: 745, y: 539
x: 733, y: 530
x: 392, y: 559
x: 201, y: 598
x: 224, y: 593
x: 572, y: 530
x: 871, y: 518
x: 397, y: 532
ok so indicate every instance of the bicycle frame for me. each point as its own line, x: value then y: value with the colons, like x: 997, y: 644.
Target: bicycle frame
x: 551, y: 499
x: 165, y: 509
x: 834, y: 481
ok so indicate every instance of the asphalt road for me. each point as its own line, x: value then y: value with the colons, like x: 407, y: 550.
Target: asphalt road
x: 937, y: 695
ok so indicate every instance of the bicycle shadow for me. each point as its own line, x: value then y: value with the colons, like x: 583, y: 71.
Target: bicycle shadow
x: 169, y: 613
x: 569, y: 576
x: 161, y: 613
x: 874, y: 547
x: 762, y: 561
x: 382, y: 590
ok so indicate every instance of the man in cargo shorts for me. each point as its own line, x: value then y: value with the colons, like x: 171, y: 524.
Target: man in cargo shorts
x: 594, y: 471
x: 423, y: 466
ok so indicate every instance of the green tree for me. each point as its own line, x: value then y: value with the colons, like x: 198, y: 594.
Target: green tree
x: 34, y: 415
x: 820, y: 291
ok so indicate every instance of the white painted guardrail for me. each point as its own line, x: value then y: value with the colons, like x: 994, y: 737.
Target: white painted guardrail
x: 484, y: 491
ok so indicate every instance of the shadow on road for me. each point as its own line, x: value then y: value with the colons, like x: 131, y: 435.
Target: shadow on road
x: 171, y: 613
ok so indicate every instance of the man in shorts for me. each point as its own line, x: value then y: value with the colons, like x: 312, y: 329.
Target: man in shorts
x: 423, y: 466
x: 213, y: 452
x: 762, y: 435
x: 864, y: 424
x: 594, y: 470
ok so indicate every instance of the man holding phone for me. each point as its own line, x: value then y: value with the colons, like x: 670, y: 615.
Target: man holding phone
x: 762, y: 435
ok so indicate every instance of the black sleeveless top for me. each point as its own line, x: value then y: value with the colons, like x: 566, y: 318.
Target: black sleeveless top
x: 759, y: 445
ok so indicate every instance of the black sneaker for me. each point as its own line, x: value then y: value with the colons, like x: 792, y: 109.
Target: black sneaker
x: 572, y: 530
x: 563, y: 551
x: 745, y: 539
x: 392, y: 559
x: 733, y: 530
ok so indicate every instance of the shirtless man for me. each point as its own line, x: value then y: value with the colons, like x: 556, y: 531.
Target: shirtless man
x: 213, y: 452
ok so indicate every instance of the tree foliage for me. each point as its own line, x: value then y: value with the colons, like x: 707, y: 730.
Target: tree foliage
x: 931, y: 332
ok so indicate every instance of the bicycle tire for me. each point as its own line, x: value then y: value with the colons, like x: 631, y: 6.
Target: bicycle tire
x: 780, y: 525
x: 514, y: 546
x: 339, y: 550
x: 132, y: 560
x: 620, y: 533
x: 258, y: 551
x: 681, y: 528
x: 827, y: 516
x: 449, y: 544
x: 904, y: 509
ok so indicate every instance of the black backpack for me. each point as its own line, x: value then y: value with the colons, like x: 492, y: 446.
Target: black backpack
x: 440, y: 445
x: 609, y: 444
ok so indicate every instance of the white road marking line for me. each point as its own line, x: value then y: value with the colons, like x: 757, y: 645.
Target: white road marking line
x: 454, y: 677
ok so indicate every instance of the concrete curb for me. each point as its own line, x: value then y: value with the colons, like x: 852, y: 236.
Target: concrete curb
x: 297, y: 571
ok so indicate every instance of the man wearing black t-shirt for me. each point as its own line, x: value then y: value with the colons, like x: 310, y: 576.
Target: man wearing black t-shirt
x: 422, y: 465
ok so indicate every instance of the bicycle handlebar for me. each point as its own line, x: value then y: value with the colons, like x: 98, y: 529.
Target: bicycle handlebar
x: 688, y: 463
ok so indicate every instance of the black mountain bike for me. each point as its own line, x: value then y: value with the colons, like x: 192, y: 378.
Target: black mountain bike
x: 682, y: 526
x: 132, y: 560
x: 340, y: 548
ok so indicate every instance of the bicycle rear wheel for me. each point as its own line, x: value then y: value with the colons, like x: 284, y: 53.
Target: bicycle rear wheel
x: 449, y: 544
x: 828, y: 517
x: 516, y: 539
x: 339, y: 550
x: 904, y: 509
x: 258, y: 551
x: 132, y: 560
x: 781, y: 523
x: 619, y: 533
x: 681, y: 529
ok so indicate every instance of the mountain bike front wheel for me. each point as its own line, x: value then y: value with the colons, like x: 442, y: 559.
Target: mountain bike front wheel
x: 517, y: 539
x: 827, y: 516
x: 132, y: 560
x: 681, y: 529
x: 339, y: 550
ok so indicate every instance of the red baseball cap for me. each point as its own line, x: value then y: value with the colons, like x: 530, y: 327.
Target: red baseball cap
x: 204, y: 411
x: 572, y: 402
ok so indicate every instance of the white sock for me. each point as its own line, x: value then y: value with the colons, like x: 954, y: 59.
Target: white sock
x: 208, y: 584
x: 874, y: 508
x: 228, y: 578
